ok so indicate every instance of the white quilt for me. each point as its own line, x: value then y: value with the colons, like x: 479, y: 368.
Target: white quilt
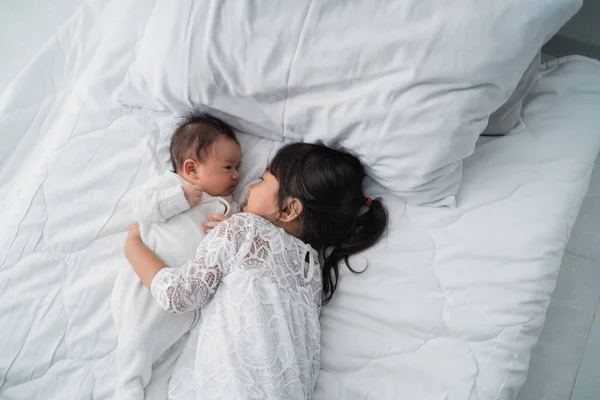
x: 449, y: 308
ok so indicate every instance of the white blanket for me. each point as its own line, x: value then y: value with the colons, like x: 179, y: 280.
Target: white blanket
x: 451, y: 304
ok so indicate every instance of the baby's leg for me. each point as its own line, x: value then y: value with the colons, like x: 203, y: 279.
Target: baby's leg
x: 162, y: 370
x: 146, y: 331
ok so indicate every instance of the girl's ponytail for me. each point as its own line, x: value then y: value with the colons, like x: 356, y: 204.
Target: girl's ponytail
x: 337, y: 219
x: 371, y: 224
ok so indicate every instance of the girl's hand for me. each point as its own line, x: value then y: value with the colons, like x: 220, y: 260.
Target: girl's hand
x: 134, y: 232
x: 133, y: 238
x: 216, y: 219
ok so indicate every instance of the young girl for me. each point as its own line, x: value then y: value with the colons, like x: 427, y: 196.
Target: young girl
x: 259, y: 335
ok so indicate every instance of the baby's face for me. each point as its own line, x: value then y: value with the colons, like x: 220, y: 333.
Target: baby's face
x: 218, y: 175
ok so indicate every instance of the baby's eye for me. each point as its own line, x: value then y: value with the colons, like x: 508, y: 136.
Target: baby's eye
x: 228, y: 167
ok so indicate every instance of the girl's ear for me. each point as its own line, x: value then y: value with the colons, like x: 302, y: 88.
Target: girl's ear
x: 291, y: 210
x: 190, y: 167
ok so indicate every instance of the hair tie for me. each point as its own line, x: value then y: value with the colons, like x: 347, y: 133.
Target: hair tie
x: 369, y: 201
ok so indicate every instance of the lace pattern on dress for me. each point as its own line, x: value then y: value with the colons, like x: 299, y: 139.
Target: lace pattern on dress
x: 259, y: 337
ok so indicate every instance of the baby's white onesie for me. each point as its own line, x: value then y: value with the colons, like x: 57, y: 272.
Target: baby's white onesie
x: 147, y: 333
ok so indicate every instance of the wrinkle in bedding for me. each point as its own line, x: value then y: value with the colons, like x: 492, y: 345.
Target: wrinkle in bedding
x: 451, y: 303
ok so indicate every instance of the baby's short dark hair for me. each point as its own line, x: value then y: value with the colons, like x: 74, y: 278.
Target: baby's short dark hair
x: 194, y: 136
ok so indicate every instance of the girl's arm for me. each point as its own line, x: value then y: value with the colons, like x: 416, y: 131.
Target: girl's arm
x: 215, y: 219
x: 178, y: 290
x: 145, y: 263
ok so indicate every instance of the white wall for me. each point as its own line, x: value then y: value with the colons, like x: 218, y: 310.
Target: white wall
x: 585, y: 25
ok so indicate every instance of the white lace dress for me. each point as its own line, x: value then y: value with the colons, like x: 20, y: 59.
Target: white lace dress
x: 259, y: 334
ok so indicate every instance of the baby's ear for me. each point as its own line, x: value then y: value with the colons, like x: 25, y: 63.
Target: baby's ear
x: 292, y: 208
x: 190, y: 167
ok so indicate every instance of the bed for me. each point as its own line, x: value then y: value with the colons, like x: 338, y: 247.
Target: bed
x: 450, y: 307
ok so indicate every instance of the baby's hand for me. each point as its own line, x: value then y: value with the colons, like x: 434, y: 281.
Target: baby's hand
x: 193, y: 194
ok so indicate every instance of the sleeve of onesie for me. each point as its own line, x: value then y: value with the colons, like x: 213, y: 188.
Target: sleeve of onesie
x: 158, y: 201
x: 234, y: 208
x: 179, y: 290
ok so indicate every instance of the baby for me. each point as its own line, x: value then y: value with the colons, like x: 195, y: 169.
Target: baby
x: 171, y: 208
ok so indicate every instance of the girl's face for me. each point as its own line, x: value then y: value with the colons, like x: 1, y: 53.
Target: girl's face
x: 263, y: 197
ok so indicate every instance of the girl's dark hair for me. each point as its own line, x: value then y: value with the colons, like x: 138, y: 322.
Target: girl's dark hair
x: 194, y: 136
x: 328, y: 183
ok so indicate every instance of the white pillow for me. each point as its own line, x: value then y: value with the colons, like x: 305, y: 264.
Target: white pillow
x: 407, y: 85
x: 504, y: 119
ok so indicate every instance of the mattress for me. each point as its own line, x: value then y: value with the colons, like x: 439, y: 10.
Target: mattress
x: 451, y: 302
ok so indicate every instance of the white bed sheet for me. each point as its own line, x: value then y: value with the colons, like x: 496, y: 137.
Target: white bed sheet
x: 451, y: 304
